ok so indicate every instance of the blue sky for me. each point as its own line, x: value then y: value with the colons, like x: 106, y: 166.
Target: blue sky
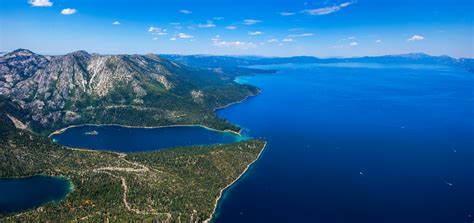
x: 323, y: 28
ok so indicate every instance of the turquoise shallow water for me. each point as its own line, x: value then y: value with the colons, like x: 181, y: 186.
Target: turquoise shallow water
x: 357, y: 143
x: 19, y: 194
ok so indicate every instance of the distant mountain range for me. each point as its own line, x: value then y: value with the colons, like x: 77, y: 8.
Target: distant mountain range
x: 209, y: 61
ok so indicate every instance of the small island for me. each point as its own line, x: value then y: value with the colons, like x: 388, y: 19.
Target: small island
x: 92, y: 133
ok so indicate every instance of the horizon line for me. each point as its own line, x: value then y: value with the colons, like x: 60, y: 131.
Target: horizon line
x: 2, y: 52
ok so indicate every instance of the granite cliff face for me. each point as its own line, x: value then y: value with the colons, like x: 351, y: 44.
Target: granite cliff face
x: 17, y: 66
x: 60, y: 90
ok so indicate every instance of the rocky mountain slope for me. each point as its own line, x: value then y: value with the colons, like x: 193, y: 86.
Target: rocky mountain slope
x: 81, y: 88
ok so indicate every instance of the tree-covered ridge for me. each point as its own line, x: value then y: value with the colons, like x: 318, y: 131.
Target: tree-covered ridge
x: 174, y: 185
x: 138, y: 90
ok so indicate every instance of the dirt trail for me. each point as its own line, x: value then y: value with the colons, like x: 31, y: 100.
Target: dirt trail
x: 140, y: 169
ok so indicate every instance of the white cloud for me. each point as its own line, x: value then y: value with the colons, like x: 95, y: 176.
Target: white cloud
x: 40, y: 3
x: 251, y: 21
x: 236, y: 44
x: 351, y: 37
x: 345, y: 4
x: 378, y: 41
x: 116, y: 23
x: 231, y: 27
x: 209, y: 24
x: 185, y: 36
x: 301, y: 35
x: 68, y: 11
x: 327, y: 10
x: 288, y: 40
x: 218, y: 18
x: 155, y: 38
x: 272, y: 41
x: 184, y: 11
x: 287, y: 13
x: 158, y: 31
x: 295, y: 29
x: 153, y: 29
x: 416, y: 38
x: 353, y: 44
x: 216, y: 41
x: 173, y: 38
x: 256, y: 33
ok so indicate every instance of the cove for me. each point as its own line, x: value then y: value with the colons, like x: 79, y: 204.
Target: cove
x: 131, y: 139
x: 20, y: 194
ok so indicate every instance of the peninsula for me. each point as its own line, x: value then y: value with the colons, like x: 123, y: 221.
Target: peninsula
x: 179, y: 184
x: 40, y: 94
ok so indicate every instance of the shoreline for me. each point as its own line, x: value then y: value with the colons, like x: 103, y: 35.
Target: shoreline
x: 221, y: 192
x: 36, y: 175
x: 238, y: 102
x: 239, y: 133
x: 59, y: 131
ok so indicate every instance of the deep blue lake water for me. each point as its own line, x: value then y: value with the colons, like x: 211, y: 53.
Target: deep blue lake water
x: 362, y: 143
x: 19, y: 194
x: 357, y: 143
x: 125, y: 139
